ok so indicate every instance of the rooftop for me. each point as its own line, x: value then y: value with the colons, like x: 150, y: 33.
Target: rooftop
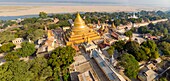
x: 109, y: 72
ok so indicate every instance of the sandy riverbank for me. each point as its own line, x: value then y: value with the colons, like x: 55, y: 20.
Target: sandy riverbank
x: 31, y: 10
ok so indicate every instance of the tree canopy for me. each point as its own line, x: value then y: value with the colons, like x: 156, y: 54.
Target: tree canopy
x: 143, y: 30
x: 11, y: 56
x: 130, y: 64
x: 43, y: 15
x: 27, y: 49
x: 165, y: 47
x: 129, y: 34
x: 60, y: 59
x: 39, y: 68
x: 154, y: 53
x: 145, y: 51
x: 7, y: 47
x: 119, y: 45
x: 110, y: 51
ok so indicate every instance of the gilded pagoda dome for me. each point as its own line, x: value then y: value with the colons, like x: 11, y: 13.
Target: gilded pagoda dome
x: 79, y: 26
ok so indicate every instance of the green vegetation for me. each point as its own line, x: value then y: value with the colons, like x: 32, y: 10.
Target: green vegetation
x: 56, y: 66
x: 6, y: 36
x: 145, y: 51
x: 131, y: 47
x: 9, y: 23
x: 166, y: 38
x: 35, y: 35
x: 119, y: 45
x: 60, y: 59
x: 11, y: 56
x: 143, y: 30
x: 129, y: 34
x: 163, y: 79
x: 154, y: 53
x: 159, y: 29
x: 63, y: 23
x: 117, y: 22
x: 110, y: 51
x: 27, y: 49
x: 38, y: 69
x: 43, y: 15
x: 130, y: 64
x: 7, y: 47
x: 53, y: 26
x: 165, y: 48
x: 30, y: 25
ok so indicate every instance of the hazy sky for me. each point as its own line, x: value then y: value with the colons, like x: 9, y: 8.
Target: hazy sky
x: 127, y: 2
x: 124, y: 1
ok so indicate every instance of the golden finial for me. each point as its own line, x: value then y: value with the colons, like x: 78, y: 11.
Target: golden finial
x: 78, y: 19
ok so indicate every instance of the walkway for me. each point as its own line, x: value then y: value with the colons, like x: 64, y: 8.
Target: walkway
x: 106, y: 67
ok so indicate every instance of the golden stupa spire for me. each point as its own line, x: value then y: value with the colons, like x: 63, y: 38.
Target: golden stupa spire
x: 80, y: 32
x: 79, y: 22
x: 79, y: 26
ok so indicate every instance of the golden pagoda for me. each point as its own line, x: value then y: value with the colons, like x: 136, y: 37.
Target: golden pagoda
x: 80, y: 32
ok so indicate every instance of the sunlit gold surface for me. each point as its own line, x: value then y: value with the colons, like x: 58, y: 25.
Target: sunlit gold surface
x: 81, y: 33
x: 79, y: 26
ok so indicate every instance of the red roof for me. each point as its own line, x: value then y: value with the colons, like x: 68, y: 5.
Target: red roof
x: 115, y: 35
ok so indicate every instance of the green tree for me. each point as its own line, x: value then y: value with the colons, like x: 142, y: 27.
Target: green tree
x: 163, y: 79
x: 15, y: 71
x: 166, y: 38
x: 143, y: 30
x: 133, y: 20
x: 27, y: 49
x: 124, y: 21
x: 7, y: 47
x: 32, y: 70
x: 165, y: 47
x: 165, y: 31
x: 36, y: 34
x: 129, y: 34
x: 132, y: 47
x: 9, y: 23
x: 110, y: 51
x: 151, y: 25
x: 60, y: 59
x: 6, y: 36
x: 119, y: 45
x: 130, y: 64
x: 11, y: 56
x: 154, y: 53
x: 43, y: 15
x: 53, y: 26
x: 142, y: 54
x: 63, y: 23
x: 46, y: 72
x: 117, y: 22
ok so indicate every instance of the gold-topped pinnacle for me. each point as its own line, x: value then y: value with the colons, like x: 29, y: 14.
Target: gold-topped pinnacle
x: 80, y: 32
x: 79, y: 21
x: 79, y: 25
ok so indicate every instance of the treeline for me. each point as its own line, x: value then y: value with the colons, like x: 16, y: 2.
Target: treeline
x: 158, y: 29
x: 33, y: 28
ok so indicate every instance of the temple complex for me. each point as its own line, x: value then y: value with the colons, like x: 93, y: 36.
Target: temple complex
x: 51, y: 41
x: 80, y: 33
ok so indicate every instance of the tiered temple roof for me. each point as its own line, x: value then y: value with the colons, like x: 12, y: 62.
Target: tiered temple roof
x: 80, y: 32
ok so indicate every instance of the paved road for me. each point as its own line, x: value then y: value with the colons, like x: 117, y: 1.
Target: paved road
x: 164, y: 71
x: 11, y: 27
x: 97, y: 69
